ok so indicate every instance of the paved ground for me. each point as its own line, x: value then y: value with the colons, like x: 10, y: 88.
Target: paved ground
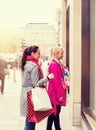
x: 10, y: 118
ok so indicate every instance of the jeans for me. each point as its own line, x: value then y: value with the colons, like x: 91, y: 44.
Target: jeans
x: 29, y: 125
x: 52, y: 118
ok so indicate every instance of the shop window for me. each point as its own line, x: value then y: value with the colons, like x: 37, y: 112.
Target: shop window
x: 88, y: 93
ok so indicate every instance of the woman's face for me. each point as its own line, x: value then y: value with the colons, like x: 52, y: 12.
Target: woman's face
x: 60, y: 55
x: 37, y: 54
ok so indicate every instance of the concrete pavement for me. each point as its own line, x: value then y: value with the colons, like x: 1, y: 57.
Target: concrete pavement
x: 10, y: 118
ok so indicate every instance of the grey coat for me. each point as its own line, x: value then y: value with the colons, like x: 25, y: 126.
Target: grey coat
x: 30, y: 78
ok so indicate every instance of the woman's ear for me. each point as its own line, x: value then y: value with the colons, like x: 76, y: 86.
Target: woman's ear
x: 32, y: 54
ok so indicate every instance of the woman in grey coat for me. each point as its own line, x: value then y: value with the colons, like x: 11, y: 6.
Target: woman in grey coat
x: 32, y: 76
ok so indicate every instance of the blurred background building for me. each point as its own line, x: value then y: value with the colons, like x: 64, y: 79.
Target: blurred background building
x: 41, y: 34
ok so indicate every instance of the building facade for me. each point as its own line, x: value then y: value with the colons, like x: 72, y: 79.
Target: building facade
x: 41, y: 34
x: 79, y: 41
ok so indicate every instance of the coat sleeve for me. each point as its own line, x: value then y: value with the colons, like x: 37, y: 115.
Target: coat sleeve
x: 35, y: 78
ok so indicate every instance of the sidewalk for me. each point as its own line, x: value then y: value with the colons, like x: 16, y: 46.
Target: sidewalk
x: 9, y: 111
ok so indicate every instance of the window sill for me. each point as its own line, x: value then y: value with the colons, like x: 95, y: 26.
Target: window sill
x: 90, y: 118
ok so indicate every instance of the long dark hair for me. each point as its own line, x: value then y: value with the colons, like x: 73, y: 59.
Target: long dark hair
x: 27, y: 52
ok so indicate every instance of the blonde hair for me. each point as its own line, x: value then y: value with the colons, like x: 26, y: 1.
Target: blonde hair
x: 57, y: 50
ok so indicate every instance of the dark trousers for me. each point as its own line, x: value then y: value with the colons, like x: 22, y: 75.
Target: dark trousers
x: 2, y: 78
x: 29, y: 125
x: 54, y: 118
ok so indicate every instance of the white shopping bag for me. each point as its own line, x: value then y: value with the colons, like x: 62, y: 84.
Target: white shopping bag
x: 40, y: 99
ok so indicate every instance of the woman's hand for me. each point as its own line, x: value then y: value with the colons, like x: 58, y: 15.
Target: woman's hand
x: 60, y: 99
x: 50, y: 76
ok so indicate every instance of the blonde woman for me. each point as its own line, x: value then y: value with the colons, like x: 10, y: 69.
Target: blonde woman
x: 55, y: 88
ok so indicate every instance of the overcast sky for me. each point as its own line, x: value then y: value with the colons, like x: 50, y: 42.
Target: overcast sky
x: 15, y: 13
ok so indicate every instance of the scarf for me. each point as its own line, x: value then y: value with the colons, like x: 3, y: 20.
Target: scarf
x: 30, y: 58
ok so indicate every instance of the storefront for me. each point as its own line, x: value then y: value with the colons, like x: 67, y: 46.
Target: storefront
x: 88, y: 83
x: 81, y: 60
